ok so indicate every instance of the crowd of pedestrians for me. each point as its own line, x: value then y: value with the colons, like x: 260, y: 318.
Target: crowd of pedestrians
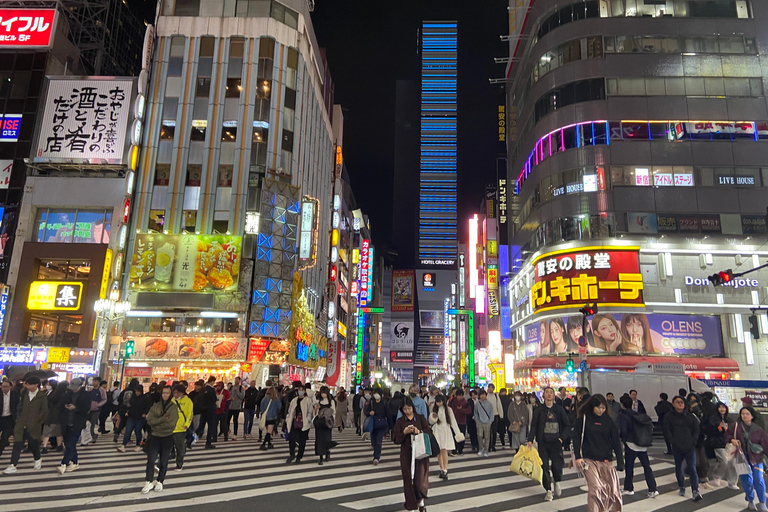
x: 605, y: 435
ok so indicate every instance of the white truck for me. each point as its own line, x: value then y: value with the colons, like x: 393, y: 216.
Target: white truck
x: 647, y: 383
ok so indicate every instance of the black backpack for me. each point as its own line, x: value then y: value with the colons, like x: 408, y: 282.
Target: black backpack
x: 643, y: 427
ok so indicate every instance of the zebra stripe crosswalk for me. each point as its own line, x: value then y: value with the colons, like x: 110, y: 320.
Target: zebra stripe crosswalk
x: 238, y: 476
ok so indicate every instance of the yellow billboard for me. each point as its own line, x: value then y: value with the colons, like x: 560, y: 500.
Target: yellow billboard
x: 185, y: 262
x: 54, y: 295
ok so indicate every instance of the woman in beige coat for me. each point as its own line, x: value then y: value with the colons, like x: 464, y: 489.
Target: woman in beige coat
x: 342, y: 408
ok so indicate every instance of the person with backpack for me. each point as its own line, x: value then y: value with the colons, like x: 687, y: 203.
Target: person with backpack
x: 236, y: 396
x: 138, y: 408
x: 637, y: 433
x: 747, y: 436
x: 123, y: 399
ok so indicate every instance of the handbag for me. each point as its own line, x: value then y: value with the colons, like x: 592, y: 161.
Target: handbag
x: 263, y: 418
x: 515, y: 428
x: 434, y: 446
x: 459, y: 437
x: 368, y: 424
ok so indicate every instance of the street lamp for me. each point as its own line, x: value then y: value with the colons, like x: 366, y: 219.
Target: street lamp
x: 107, y: 311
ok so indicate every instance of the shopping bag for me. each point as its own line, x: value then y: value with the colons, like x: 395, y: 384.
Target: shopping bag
x: 527, y: 463
x: 368, y: 424
x: 434, y: 450
x: 85, y: 435
x: 740, y: 464
x: 419, y: 446
x: 579, y: 468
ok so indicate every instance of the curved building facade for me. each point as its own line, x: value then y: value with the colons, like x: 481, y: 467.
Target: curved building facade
x: 641, y: 138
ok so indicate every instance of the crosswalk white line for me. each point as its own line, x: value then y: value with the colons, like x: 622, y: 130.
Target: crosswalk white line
x: 452, y: 489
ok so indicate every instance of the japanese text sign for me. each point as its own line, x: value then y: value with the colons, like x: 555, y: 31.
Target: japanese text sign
x: 85, y: 120
x: 605, y: 275
x: 54, y: 295
x: 364, y: 261
x: 26, y: 28
x: 10, y: 127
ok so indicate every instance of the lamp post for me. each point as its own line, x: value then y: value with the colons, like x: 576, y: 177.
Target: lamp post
x: 108, y: 311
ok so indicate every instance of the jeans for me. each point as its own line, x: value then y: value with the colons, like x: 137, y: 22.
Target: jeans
x: 248, y: 415
x: 376, y: 438
x: 297, y: 438
x: 689, y: 458
x: 71, y: 435
x: 502, y: 430
x: 18, y: 445
x: 134, y: 425
x: 754, y: 483
x: 551, y: 451
x: 158, y: 446
x: 233, y: 414
x: 483, y: 436
x: 180, y: 447
x: 223, y: 425
x: 629, y: 464
x: 472, y: 429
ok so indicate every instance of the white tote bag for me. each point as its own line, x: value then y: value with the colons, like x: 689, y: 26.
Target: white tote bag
x: 419, y: 447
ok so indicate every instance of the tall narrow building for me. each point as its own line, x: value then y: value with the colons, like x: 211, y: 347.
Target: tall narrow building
x: 437, y: 177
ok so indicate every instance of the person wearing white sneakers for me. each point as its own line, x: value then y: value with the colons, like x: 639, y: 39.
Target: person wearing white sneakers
x: 162, y: 417
x: 551, y: 429
x: 77, y: 406
x: 32, y: 413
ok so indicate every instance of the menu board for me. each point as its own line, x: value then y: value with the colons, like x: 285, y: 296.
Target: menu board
x: 191, y: 349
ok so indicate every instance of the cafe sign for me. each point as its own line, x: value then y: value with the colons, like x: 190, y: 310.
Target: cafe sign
x: 608, y: 276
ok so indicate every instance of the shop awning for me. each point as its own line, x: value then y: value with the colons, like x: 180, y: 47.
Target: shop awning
x: 692, y: 364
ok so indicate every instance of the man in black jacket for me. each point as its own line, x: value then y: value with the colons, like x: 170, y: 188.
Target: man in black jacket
x: 207, y: 401
x: 682, y: 429
x: 551, y: 429
x: 637, y: 405
x: 663, y: 407
x: 9, y: 407
x: 628, y: 422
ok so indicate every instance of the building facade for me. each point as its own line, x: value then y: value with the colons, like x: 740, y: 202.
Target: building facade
x: 238, y: 165
x: 640, y: 129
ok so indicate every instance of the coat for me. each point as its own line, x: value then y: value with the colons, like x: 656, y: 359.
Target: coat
x: 237, y: 395
x: 420, y: 480
x: 681, y: 430
x: 162, y: 417
x: 518, y: 412
x: 31, y: 416
x: 307, y: 413
x: 758, y: 437
x: 341, y: 411
x: 77, y: 418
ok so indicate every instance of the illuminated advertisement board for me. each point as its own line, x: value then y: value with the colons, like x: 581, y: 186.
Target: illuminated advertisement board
x: 26, y: 28
x: 54, y: 295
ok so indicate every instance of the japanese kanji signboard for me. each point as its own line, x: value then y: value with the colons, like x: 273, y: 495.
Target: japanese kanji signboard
x: 606, y: 275
x: 26, y: 28
x: 185, y: 262
x: 85, y: 120
x: 54, y: 295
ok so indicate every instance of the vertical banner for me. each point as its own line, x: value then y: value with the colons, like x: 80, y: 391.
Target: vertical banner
x: 333, y: 363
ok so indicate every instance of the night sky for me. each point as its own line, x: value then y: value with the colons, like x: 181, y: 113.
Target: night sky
x: 369, y: 46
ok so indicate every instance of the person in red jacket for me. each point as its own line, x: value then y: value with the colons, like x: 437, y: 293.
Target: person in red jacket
x: 222, y: 405
x: 461, y: 409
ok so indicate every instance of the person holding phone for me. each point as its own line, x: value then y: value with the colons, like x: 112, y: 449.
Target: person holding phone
x: 416, y: 485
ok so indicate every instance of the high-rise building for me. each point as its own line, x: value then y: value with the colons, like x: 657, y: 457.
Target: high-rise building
x: 406, y: 172
x: 636, y: 169
x: 438, y: 167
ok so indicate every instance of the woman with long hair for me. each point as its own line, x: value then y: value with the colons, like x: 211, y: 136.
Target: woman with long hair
x: 162, y: 418
x: 595, y: 442
x: 270, y: 410
x: 575, y: 330
x: 342, y: 407
x: 299, y: 421
x: 753, y: 443
x: 325, y: 412
x: 52, y: 430
x: 416, y: 477
x: 606, y: 333
x: 444, y: 427
x: 544, y: 344
x: 636, y: 333
x: 715, y: 429
x: 557, y: 335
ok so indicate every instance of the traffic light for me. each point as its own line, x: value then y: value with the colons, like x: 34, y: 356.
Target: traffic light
x: 129, y: 348
x: 754, y: 328
x: 723, y: 277
x: 589, y: 310
x: 569, y: 365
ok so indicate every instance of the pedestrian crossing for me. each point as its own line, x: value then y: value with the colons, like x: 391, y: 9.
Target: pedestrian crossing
x: 238, y: 476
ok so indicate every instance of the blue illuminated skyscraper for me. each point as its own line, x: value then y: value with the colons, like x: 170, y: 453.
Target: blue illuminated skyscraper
x: 437, y: 176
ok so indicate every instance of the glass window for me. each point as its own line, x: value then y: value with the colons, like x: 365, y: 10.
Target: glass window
x: 198, y: 130
x: 750, y: 46
x: 84, y: 226
x: 203, y: 89
x: 168, y: 129
x: 731, y: 44
x: 187, y: 8
x: 42, y: 218
x: 20, y: 84
x: 60, y: 226
x: 278, y: 11
x: 233, y: 88
x: 190, y: 220
x: 229, y: 131
x: 89, y: 227
x: 291, y: 18
x: 156, y: 220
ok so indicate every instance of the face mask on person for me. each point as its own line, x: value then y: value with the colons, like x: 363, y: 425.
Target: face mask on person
x: 367, y: 395
x: 413, y: 395
x: 49, y: 387
x: 377, y: 396
x: 301, y: 392
x: 518, y: 398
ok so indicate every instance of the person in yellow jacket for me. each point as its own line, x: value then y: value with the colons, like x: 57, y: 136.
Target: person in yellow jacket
x: 185, y: 419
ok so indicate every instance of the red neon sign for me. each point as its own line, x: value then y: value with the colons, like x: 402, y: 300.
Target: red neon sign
x: 26, y: 28
x: 333, y: 273
x: 126, y: 210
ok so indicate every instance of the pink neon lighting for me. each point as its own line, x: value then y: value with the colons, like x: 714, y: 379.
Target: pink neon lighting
x: 472, y: 247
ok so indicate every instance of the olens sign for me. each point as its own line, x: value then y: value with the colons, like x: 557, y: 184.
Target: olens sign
x: 609, y: 276
x: 26, y: 28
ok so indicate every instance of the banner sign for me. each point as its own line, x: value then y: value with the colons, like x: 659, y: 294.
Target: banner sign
x: 630, y: 333
x: 401, y: 342
x: 609, y: 276
x: 54, y: 295
x: 22, y: 355
x: 85, y: 120
x: 26, y: 28
x: 402, y: 290
x: 256, y: 349
x: 189, y: 349
x: 333, y: 363
x: 185, y: 262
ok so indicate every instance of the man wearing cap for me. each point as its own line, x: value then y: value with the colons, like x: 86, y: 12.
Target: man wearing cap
x: 77, y: 406
x: 9, y: 405
x: 32, y: 413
